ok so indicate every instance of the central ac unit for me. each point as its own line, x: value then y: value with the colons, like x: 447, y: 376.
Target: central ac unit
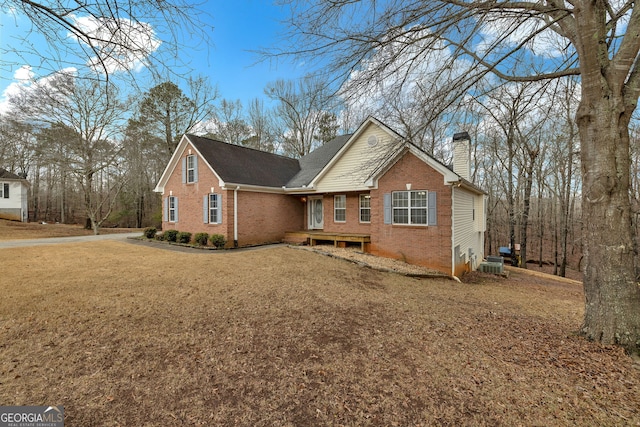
x: 492, y: 267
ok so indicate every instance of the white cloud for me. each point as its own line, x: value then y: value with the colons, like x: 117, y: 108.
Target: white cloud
x: 22, y: 78
x: 25, y: 81
x: 121, y: 45
x: 23, y: 74
x: 511, y: 32
x: 12, y: 90
x: 412, y: 69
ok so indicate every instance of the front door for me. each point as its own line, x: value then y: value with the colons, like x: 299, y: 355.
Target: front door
x: 315, y: 213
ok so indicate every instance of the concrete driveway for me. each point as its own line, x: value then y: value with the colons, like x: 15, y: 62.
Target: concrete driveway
x: 73, y: 239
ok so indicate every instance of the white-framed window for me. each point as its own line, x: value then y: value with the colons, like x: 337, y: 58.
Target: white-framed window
x: 340, y: 208
x: 214, y: 209
x: 191, y: 168
x: 365, y: 208
x: 4, y: 190
x: 409, y: 207
x: 173, y: 208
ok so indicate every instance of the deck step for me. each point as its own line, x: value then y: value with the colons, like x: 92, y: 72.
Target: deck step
x: 296, y: 238
x: 338, y: 239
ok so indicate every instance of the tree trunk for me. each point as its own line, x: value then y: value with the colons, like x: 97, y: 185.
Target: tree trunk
x: 168, y: 133
x: 533, y: 154
x: 48, y: 196
x: 510, y: 199
x: 95, y: 226
x: 541, y: 209
x: 90, y: 210
x: 566, y: 199
x: 63, y: 196
x: 612, y: 311
x: 540, y: 232
x: 35, y: 192
x: 555, y: 237
x: 139, y: 209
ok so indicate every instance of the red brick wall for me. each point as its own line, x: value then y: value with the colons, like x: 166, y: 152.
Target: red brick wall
x: 429, y: 246
x: 190, y: 196
x: 262, y: 217
x: 352, y: 223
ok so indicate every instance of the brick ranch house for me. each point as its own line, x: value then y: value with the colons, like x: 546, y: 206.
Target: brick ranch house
x: 373, y: 186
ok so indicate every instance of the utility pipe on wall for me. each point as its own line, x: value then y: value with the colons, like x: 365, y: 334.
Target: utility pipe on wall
x: 235, y: 217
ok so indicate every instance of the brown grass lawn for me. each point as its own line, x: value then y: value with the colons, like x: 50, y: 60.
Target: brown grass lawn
x: 127, y: 335
x: 14, y: 230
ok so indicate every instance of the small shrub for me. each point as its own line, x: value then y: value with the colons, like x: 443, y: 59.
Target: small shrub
x: 160, y: 237
x: 150, y: 232
x: 201, y: 238
x: 171, y: 235
x: 184, y: 237
x: 217, y: 240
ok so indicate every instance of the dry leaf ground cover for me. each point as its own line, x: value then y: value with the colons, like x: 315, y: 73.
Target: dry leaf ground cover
x: 14, y: 230
x: 127, y: 335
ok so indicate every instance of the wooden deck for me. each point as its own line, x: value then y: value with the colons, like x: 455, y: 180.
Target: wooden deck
x: 313, y: 237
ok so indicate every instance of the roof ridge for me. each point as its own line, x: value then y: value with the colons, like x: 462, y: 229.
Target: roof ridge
x: 238, y: 164
x: 240, y: 146
x: 5, y: 174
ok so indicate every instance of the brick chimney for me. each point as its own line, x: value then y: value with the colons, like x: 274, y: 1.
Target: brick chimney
x: 462, y: 155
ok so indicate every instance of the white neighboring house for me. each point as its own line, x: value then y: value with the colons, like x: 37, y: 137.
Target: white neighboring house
x: 13, y: 196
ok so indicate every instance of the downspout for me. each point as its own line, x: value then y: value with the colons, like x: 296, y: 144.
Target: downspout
x: 483, y: 225
x: 235, y: 217
x: 453, y: 232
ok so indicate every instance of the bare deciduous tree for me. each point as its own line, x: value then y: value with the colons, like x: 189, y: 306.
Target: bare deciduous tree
x: 93, y: 112
x: 107, y: 36
x: 230, y: 125
x: 261, y: 122
x: 300, y: 109
x: 502, y: 39
x: 143, y: 163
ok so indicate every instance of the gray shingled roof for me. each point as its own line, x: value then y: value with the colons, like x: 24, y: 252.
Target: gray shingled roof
x: 236, y: 164
x: 242, y: 165
x: 5, y: 174
x: 314, y: 162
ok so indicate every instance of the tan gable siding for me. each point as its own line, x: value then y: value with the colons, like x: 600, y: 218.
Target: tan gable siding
x: 481, y: 221
x: 351, y: 170
x: 462, y: 218
x: 466, y: 234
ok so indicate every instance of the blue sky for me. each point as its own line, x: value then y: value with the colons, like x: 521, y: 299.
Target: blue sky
x: 239, y: 27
